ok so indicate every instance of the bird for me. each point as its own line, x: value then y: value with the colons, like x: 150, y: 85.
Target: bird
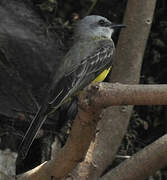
x: 89, y: 60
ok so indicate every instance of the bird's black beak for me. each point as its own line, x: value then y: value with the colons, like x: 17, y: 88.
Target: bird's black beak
x: 117, y: 26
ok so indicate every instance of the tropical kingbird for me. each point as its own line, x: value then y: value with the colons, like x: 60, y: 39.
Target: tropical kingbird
x: 88, y: 60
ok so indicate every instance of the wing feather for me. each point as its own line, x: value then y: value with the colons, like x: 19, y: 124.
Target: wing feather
x: 83, y: 74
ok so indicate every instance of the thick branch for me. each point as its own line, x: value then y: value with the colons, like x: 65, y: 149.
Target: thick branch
x: 73, y: 152
x: 120, y: 94
x: 129, y: 55
x: 96, y: 97
x: 142, y: 164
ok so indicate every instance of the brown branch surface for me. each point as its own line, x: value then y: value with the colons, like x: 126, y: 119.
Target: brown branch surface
x: 120, y: 94
x: 142, y: 164
x: 73, y: 152
x: 130, y: 51
x: 94, y: 98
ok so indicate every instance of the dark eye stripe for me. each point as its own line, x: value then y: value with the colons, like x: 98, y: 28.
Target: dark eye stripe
x: 101, y: 22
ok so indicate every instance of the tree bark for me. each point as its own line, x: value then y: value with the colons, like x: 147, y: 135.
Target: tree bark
x: 130, y: 50
x: 142, y: 164
x: 84, y: 126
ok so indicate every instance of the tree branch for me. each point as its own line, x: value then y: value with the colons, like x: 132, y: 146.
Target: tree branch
x: 105, y: 94
x: 129, y: 56
x: 142, y: 164
x: 91, y: 103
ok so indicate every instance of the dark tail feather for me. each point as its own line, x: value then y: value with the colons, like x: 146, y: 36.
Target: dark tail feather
x: 32, y: 131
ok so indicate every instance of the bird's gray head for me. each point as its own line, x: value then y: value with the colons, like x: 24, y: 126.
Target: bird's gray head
x: 95, y: 26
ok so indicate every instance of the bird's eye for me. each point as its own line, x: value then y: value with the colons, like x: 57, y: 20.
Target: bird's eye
x: 101, y: 22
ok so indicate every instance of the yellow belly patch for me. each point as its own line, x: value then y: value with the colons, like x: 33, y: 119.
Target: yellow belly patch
x: 102, y: 76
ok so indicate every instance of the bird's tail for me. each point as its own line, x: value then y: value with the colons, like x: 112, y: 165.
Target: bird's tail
x: 32, y: 131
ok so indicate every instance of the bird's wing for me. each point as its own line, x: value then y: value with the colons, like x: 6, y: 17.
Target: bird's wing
x: 85, y: 72
x: 71, y: 81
